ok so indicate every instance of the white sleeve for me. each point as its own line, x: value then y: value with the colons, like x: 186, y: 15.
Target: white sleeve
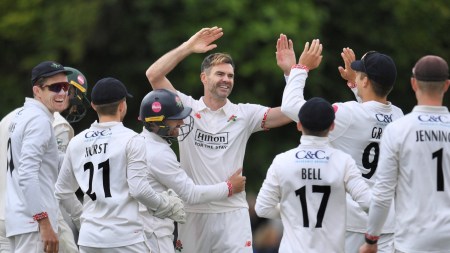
x: 166, y: 170
x: 36, y: 140
x: 138, y: 183
x: 356, y: 186
x: 385, y: 183
x: 65, y: 189
x: 63, y: 134
x: 293, y: 98
x: 268, y: 199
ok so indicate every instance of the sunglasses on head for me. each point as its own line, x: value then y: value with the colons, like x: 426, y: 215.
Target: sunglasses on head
x: 57, y: 87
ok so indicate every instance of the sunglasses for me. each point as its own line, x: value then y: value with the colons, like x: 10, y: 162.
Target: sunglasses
x: 57, y: 87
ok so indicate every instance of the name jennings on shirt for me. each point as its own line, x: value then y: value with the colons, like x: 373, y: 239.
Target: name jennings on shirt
x: 433, y: 135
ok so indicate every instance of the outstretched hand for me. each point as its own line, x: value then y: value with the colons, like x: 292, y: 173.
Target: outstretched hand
x: 347, y: 72
x: 238, y: 181
x: 311, y: 55
x: 201, y: 41
x: 285, y: 54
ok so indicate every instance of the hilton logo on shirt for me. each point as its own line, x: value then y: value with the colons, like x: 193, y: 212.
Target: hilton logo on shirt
x: 212, y: 141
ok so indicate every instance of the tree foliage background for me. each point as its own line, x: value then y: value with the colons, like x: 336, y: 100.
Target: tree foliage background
x: 121, y: 38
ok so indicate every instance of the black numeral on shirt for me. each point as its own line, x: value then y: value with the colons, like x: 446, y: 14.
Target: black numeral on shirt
x: 326, y: 190
x: 367, y: 164
x: 9, y: 160
x: 440, y: 169
x: 106, y: 186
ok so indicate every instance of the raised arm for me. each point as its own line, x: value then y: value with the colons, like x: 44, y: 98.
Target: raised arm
x: 293, y: 98
x: 347, y: 73
x: 285, y: 54
x: 200, y: 42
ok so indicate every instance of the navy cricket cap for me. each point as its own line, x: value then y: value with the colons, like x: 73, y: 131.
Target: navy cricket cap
x: 431, y: 68
x: 316, y: 114
x: 46, y: 69
x: 378, y: 67
x: 108, y: 90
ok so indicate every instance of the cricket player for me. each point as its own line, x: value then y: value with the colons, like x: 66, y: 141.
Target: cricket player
x: 32, y: 163
x: 217, y: 146
x: 162, y: 114
x: 358, y: 125
x: 414, y: 168
x: 107, y: 161
x: 306, y: 186
x: 76, y: 109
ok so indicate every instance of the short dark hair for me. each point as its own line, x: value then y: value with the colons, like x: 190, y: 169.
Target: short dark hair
x: 108, y: 109
x: 215, y: 59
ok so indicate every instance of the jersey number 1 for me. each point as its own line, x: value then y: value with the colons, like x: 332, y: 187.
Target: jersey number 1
x: 440, y: 169
x: 106, y: 187
x: 325, y: 189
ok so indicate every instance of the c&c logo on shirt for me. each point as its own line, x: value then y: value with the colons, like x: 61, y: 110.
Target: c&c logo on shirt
x: 91, y: 134
x: 433, y: 118
x: 383, y: 117
x: 318, y: 154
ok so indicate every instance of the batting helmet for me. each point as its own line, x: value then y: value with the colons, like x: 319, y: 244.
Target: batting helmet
x: 161, y: 105
x: 78, y: 101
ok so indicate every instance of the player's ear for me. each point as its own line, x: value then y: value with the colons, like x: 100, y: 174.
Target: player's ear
x: 446, y: 85
x: 204, y: 78
x: 331, y: 127
x: 299, y: 127
x: 414, y: 84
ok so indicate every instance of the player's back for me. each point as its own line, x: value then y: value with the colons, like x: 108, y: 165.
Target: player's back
x: 358, y: 130
x: 98, y: 157
x: 313, y: 180
x: 421, y: 141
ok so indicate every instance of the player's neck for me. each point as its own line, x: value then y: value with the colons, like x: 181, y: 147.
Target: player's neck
x: 373, y: 97
x: 429, y: 101
x: 213, y: 103
x: 109, y: 118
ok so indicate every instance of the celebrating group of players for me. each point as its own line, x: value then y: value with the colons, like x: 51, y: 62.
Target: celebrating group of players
x: 354, y: 158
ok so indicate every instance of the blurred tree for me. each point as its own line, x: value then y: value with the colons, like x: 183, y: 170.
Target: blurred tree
x: 121, y: 38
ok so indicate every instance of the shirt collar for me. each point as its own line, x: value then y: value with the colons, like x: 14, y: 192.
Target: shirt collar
x: 41, y: 106
x: 227, y: 108
x: 149, y: 135
x: 309, y: 140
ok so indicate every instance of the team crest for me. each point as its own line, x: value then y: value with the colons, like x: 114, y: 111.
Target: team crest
x: 178, y: 101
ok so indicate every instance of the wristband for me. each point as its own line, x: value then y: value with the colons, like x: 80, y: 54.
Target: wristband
x: 230, y: 188
x: 300, y: 66
x: 351, y: 85
x: 40, y: 216
x: 263, y: 122
x: 371, y: 239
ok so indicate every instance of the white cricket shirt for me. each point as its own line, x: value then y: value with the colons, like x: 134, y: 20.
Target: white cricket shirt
x: 358, y: 130
x: 215, y: 148
x: 107, y: 161
x: 414, y: 168
x: 310, y: 183
x: 32, y: 170
x: 164, y: 173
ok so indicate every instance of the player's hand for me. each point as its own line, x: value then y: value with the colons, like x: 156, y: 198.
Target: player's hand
x: 347, y: 72
x: 285, y: 54
x: 368, y: 248
x: 48, y: 236
x: 238, y: 181
x: 201, y: 41
x: 311, y: 55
